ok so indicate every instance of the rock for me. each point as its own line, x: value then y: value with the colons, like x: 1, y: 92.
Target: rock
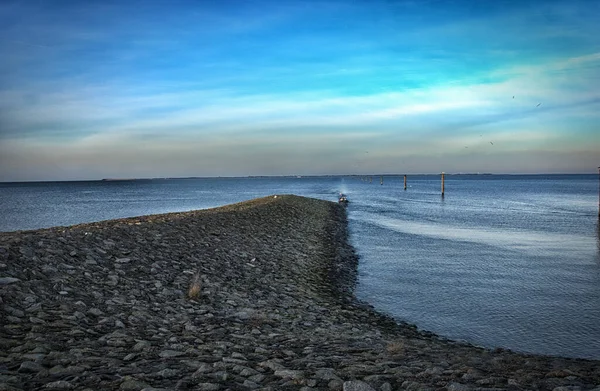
x: 326, y: 374
x: 357, y: 385
x: 335, y: 385
x: 170, y: 354
x: 250, y: 384
x: 141, y: 345
x: 30, y: 367
x: 289, y: 374
x: 59, y: 385
x: 60, y: 371
x: 132, y: 385
x: 168, y: 373
x: 8, y: 280
x: 95, y: 312
x: 208, y: 387
x: 458, y: 387
x: 385, y: 387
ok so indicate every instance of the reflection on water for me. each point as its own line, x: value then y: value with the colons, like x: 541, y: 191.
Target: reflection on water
x: 598, y: 238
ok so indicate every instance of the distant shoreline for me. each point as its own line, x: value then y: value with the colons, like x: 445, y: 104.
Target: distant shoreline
x: 295, y: 177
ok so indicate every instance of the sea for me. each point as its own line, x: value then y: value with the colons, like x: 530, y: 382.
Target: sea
x: 509, y: 261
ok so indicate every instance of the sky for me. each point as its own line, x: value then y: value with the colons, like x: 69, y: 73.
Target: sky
x: 115, y: 89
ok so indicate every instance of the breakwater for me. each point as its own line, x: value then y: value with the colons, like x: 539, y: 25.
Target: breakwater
x: 256, y: 295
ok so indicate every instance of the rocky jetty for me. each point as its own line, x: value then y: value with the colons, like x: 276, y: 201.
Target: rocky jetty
x: 256, y: 295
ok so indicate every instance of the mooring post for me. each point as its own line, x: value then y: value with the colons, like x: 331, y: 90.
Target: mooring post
x: 381, y: 180
x: 598, y: 193
x: 404, y: 182
x: 442, y: 183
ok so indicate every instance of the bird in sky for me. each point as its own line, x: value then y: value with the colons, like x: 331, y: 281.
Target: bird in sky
x: 538, y: 105
x: 491, y: 143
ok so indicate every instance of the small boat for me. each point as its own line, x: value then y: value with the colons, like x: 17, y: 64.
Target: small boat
x: 343, y: 199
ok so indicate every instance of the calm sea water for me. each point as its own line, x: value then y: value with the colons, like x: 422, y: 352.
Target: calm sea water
x: 500, y: 261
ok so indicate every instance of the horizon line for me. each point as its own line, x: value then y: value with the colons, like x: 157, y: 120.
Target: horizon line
x: 298, y: 176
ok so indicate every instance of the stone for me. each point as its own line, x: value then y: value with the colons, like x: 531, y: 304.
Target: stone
x: 168, y: 373
x: 59, y: 385
x: 250, y: 384
x: 357, y: 385
x: 326, y: 374
x: 170, y: 353
x: 458, y: 387
x: 335, y: 385
x: 289, y: 374
x: 208, y: 387
x: 385, y: 387
x: 30, y: 367
x: 95, y: 312
x: 132, y: 385
x: 8, y: 280
x: 140, y: 346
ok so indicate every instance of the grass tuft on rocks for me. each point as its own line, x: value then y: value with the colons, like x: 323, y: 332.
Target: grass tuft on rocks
x: 395, y: 348
x: 195, y: 288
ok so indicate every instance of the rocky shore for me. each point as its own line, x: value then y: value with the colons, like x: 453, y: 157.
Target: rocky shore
x: 256, y: 295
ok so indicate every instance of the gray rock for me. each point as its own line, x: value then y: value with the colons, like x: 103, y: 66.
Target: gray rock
x: 258, y: 378
x: 458, y: 387
x: 132, y: 385
x: 141, y: 345
x: 385, y: 387
x: 222, y: 376
x: 95, y: 312
x: 170, y: 353
x: 8, y: 280
x: 59, y: 385
x: 168, y: 373
x: 335, y: 385
x: 357, y: 385
x: 208, y: 387
x: 326, y: 374
x: 250, y: 384
x: 289, y: 374
x: 60, y: 371
x: 30, y: 367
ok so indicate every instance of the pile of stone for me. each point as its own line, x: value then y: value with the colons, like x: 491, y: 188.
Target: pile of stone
x: 256, y: 295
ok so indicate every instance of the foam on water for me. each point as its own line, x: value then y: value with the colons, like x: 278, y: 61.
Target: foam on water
x: 532, y: 242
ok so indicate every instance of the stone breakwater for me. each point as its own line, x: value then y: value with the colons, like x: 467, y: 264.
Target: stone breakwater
x: 256, y: 295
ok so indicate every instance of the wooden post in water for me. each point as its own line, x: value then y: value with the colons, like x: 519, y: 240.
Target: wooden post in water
x: 442, y: 183
x: 598, y: 193
x: 381, y: 180
x: 404, y: 182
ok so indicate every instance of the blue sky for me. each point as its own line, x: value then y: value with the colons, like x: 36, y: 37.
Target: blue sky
x: 206, y: 88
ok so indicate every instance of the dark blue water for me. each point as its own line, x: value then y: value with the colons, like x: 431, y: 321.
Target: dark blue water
x: 500, y: 261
